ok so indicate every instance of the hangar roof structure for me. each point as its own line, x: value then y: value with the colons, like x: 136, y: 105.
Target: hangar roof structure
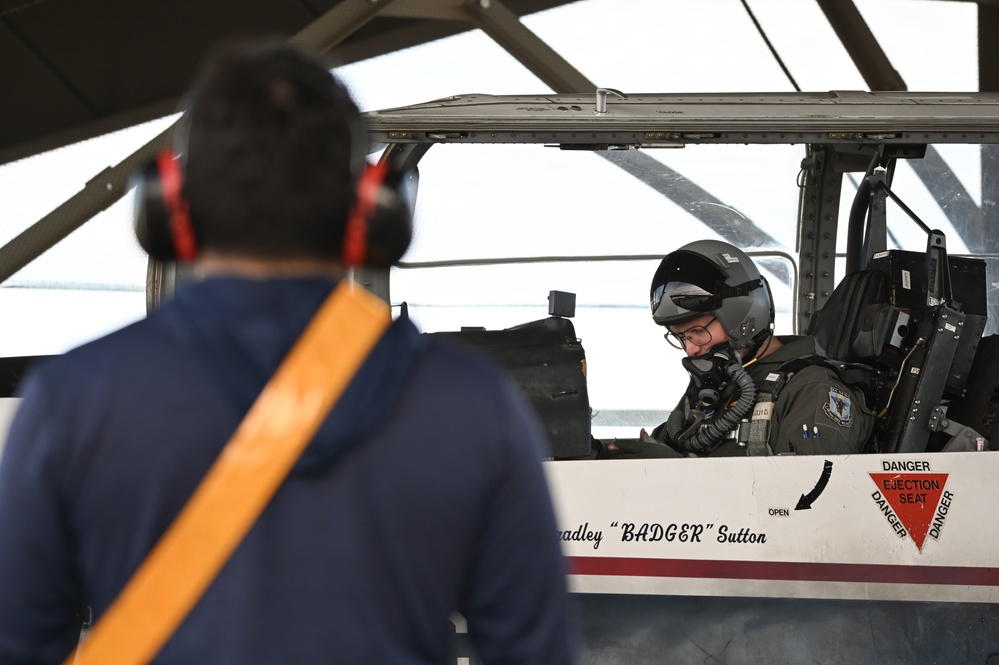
x: 72, y: 70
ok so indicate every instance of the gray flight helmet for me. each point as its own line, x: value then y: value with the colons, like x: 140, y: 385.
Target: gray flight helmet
x: 714, y: 277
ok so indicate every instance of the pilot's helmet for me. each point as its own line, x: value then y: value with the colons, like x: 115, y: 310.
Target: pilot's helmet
x: 714, y: 277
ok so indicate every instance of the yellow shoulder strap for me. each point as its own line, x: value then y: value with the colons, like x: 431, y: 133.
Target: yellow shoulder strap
x: 247, y: 473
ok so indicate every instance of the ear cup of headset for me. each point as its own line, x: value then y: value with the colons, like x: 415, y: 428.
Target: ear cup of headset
x: 380, y: 225
x: 379, y: 228
x: 161, y: 217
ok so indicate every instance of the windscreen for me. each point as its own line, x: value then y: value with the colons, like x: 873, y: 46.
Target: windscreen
x: 498, y: 227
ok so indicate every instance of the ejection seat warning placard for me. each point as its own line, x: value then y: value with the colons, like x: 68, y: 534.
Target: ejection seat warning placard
x: 914, y: 501
x: 863, y: 520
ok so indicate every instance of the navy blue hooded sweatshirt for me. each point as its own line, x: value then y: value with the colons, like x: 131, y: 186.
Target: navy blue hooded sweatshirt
x: 421, y: 495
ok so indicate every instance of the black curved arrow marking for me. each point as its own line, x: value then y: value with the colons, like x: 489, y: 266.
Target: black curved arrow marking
x: 806, y: 500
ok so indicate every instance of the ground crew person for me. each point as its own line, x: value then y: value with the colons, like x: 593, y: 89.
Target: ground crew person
x: 421, y: 495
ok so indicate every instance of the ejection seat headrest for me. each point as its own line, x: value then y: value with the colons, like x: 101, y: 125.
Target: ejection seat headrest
x: 857, y: 319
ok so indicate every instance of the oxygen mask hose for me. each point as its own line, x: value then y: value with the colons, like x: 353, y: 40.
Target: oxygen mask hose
x: 710, y: 375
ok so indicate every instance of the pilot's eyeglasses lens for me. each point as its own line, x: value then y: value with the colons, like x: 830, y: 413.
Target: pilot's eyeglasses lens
x: 674, y: 340
x: 697, y: 335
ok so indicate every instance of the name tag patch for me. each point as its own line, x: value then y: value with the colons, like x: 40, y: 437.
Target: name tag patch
x: 763, y: 411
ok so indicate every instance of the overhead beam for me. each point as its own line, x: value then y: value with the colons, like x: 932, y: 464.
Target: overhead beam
x: 879, y: 74
x: 988, y: 48
x: 860, y: 43
x: 436, y: 10
x: 84, y: 131
x: 503, y: 26
x: 338, y: 23
x: 97, y: 195
x: 111, y: 184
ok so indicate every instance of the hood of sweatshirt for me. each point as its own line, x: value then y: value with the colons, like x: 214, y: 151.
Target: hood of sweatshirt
x: 243, y: 328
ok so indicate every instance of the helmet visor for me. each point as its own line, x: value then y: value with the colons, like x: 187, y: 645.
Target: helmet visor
x: 676, y: 302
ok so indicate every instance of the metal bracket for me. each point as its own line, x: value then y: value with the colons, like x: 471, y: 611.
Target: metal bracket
x: 602, y: 98
x: 962, y: 437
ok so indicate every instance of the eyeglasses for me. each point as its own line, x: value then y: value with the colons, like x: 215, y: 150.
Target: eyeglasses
x: 698, y: 335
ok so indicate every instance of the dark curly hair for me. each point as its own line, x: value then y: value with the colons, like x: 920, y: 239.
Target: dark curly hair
x: 272, y: 145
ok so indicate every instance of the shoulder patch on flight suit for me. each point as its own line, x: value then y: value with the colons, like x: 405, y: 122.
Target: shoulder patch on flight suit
x: 838, y: 408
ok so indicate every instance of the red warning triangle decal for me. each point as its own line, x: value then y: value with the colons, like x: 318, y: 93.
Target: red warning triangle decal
x: 914, y: 498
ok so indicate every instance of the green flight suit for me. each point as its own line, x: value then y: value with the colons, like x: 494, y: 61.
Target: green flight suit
x: 814, y: 400
x: 836, y: 418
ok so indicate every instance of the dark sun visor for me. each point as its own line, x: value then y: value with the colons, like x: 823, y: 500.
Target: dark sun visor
x: 675, y: 302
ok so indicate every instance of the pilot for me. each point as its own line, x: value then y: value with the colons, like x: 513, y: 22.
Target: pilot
x: 750, y: 392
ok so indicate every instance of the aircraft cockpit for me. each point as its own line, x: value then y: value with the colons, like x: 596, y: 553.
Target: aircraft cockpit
x: 861, y: 207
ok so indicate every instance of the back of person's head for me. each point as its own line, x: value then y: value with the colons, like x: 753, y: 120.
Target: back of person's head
x: 713, y: 277
x: 272, y: 146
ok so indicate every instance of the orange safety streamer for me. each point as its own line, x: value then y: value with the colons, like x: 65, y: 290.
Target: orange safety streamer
x: 240, y: 483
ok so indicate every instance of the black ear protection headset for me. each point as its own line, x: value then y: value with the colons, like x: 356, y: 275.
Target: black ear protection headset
x: 379, y: 226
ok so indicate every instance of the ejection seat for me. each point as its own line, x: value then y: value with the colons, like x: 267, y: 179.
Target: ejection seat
x: 855, y: 322
x: 911, y: 346
x: 915, y: 321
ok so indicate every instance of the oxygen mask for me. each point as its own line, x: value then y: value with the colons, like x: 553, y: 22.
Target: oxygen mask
x: 710, y: 375
x: 720, y: 394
